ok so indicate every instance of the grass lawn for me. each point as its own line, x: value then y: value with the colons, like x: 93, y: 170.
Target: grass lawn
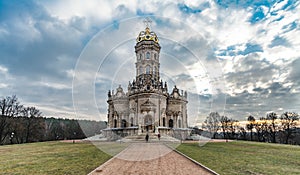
x: 240, y: 157
x: 50, y: 158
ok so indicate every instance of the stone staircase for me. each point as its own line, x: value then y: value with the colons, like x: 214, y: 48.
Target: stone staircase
x: 152, y: 138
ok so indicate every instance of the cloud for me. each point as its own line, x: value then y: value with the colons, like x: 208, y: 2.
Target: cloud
x: 247, y: 51
x: 3, y: 70
x: 294, y: 75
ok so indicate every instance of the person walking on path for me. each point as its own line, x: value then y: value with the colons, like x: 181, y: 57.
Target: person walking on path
x: 158, y: 135
x: 147, y: 137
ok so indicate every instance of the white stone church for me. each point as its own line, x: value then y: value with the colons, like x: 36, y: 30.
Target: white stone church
x: 147, y: 106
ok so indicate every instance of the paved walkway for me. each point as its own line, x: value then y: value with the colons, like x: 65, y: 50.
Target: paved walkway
x: 149, y: 159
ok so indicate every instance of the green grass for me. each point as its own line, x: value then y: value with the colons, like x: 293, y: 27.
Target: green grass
x: 245, y: 157
x: 50, y: 158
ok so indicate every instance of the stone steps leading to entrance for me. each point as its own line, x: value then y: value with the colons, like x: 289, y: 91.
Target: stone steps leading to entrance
x: 152, y: 138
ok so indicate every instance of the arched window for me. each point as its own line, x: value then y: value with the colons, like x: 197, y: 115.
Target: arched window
x: 131, y: 121
x: 171, y: 123
x: 154, y: 70
x: 115, y: 123
x: 148, y: 55
x: 164, y: 121
x: 141, y: 70
x: 148, y: 69
x: 123, y: 123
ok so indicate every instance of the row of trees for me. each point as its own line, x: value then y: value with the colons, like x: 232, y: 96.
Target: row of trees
x: 272, y: 128
x: 20, y: 124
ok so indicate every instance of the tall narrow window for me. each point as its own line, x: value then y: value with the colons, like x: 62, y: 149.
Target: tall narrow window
x: 171, y: 123
x: 154, y: 70
x: 123, y: 125
x: 141, y: 70
x: 155, y: 56
x: 148, y: 55
x: 115, y: 123
x: 131, y: 121
x: 148, y: 69
x: 164, y: 121
x: 141, y: 56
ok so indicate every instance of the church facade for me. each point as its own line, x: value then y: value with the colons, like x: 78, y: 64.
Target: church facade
x: 147, y: 106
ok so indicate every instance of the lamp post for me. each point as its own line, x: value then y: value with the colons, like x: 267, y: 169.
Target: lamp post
x: 11, y: 137
x: 74, y: 137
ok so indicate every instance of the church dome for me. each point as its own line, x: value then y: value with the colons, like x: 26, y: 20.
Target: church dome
x: 147, y: 35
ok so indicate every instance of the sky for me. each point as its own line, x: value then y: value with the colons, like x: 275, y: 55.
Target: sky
x: 238, y: 58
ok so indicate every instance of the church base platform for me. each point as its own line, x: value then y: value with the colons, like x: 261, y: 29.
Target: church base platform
x: 118, y: 133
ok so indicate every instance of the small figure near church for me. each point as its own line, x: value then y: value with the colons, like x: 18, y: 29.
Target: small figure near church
x: 158, y: 135
x: 147, y: 137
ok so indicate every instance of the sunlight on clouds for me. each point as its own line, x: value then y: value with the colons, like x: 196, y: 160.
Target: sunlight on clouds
x: 69, y: 8
x: 171, y: 11
x: 55, y: 85
x: 256, y: 55
x: 274, y: 28
x: 3, y: 31
x: 70, y: 73
x: 200, y: 78
x: 53, y: 110
x: 94, y: 12
x: 3, y: 69
x: 279, y: 5
x: 5, y: 76
x: 236, y: 30
x: 3, y: 85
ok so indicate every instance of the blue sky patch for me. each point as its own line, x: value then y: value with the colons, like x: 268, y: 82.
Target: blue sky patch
x: 139, y: 12
x: 278, y: 19
x: 116, y: 24
x: 244, y: 3
x: 229, y: 51
x: 258, y: 15
x: 290, y: 5
x: 290, y: 26
x: 279, y: 41
x: 251, y: 48
x: 188, y: 10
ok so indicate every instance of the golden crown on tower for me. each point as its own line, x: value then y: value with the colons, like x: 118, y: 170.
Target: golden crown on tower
x: 147, y: 35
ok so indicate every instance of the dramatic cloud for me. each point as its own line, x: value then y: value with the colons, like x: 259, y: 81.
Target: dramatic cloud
x: 237, y: 58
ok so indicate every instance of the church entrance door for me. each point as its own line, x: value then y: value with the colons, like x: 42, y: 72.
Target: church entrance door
x: 148, y: 124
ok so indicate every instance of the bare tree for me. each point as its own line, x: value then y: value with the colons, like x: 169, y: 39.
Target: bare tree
x: 211, y: 123
x: 288, y: 122
x: 242, y: 133
x: 261, y: 128
x: 9, y: 107
x: 232, y: 127
x: 225, y: 126
x: 56, y: 127
x: 250, y: 125
x: 272, y: 128
x: 34, y: 126
x: 229, y: 127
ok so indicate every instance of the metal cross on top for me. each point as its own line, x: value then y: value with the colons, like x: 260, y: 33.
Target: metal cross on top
x: 147, y: 21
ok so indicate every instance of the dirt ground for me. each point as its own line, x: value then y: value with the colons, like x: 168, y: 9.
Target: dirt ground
x: 149, y: 159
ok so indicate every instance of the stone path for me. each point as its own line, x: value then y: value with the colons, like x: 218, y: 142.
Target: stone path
x: 149, y: 159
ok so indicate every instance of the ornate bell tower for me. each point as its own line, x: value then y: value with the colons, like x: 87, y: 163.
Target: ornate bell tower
x: 147, y: 106
x: 147, y: 64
